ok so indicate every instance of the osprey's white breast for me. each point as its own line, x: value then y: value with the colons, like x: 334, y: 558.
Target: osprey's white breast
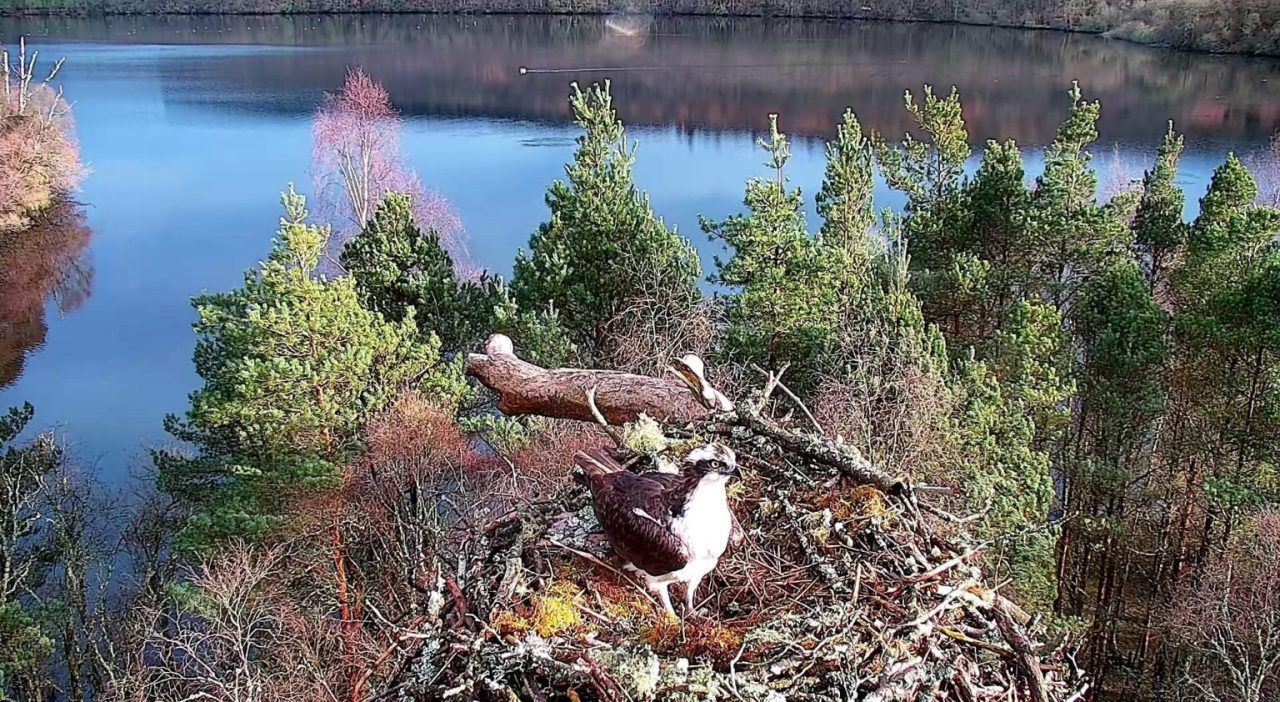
x: 703, y: 528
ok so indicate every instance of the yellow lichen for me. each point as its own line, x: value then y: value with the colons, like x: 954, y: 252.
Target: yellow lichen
x: 644, y: 436
x: 555, y: 610
x: 859, y: 503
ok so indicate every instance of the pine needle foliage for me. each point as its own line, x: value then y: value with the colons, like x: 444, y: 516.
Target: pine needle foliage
x: 402, y: 272
x: 603, y: 247
x: 292, y: 367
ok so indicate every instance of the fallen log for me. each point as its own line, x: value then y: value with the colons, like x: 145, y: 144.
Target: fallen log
x: 524, y: 388
x: 586, y: 395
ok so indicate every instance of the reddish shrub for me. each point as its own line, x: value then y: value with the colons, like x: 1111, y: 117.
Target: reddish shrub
x: 39, y: 156
x: 357, y: 159
x: 1230, y: 620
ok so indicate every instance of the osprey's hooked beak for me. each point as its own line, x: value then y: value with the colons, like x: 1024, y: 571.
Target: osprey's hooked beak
x: 692, y: 371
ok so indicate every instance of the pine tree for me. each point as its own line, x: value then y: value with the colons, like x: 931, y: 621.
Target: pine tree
x: 539, y: 336
x: 1230, y: 237
x: 930, y: 171
x: 845, y: 201
x: 1123, y: 348
x: 402, y: 271
x: 969, y: 278
x: 292, y: 367
x: 603, y: 247
x: 847, y: 209
x: 1031, y: 355
x: 1158, y: 229
x: 783, y: 308
x: 1228, y: 289
x: 999, y: 465
x: 1073, y: 233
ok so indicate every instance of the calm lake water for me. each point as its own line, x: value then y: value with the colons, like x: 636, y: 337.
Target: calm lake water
x: 193, y: 125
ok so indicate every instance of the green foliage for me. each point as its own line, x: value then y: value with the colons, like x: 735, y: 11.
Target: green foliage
x: 1158, y: 229
x: 24, y: 648
x: 539, y: 336
x: 845, y: 200
x: 1032, y: 359
x: 1123, y: 351
x: 603, y: 247
x: 1000, y: 465
x: 930, y: 171
x: 25, y: 642
x: 783, y: 308
x: 403, y: 272
x: 1073, y: 234
x: 292, y: 368
x: 972, y: 270
x: 1228, y: 331
x: 1228, y: 241
x: 848, y: 212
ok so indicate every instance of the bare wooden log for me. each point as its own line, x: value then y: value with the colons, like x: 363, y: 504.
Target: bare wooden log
x: 524, y: 388
x: 1024, y: 659
x: 618, y: 398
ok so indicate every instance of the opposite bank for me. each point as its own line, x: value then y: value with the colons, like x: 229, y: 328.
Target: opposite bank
x: 1244, y: 26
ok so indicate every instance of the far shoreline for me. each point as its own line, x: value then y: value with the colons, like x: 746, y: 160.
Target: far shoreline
x: 1125, y: 32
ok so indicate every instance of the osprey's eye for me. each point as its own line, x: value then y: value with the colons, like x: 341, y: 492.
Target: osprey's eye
x: 717, y: 464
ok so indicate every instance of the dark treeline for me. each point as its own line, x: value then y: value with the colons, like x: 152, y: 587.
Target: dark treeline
x: 1245, y: 26
x: 1090, y: 384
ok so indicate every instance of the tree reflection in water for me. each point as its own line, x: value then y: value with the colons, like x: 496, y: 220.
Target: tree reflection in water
x: 48, y: 263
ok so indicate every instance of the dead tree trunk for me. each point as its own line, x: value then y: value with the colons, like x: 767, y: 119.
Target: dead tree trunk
x: 564, y: 393
x: 616, y: 398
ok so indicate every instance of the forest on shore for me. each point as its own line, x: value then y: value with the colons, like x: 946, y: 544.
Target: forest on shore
x: 1064, y: 375
x: 1238, y: 26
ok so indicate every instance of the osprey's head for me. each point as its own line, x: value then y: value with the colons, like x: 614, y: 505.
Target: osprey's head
x: 715, y: 459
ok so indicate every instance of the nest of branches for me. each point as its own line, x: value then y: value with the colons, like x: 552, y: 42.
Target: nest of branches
x: 845, y: 586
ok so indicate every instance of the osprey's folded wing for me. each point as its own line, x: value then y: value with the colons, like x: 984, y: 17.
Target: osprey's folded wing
x: 636, y: 511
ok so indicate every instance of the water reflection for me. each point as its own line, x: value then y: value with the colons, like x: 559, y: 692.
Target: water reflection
x: 191, y: 125
x: 705, y: 74
x: 46, y: 267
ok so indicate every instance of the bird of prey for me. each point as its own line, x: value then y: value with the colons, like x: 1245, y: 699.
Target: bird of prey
x: 667, y: 528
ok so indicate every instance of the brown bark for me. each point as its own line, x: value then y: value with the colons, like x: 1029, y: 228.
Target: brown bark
x: 1025, y: 659
x: 524, y: 388
x: 350, y: 637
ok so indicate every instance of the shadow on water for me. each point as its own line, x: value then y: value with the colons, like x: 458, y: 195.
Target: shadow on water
x: 46, y: 269
x: 704, y: 74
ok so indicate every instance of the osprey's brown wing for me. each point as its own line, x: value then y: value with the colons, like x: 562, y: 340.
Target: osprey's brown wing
x: 635, y: 511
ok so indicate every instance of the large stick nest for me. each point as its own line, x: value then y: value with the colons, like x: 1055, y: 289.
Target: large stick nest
x: 845, y: 585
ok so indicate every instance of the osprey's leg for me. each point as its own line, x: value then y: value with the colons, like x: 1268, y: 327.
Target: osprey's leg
x: 691, y: 589
x: 660, y: 589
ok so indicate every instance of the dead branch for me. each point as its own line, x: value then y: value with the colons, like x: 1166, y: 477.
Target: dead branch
x: 524, y: 388
x: 1025, y: 659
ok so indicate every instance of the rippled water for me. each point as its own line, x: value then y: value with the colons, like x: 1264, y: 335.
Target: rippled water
x: 192, y: 125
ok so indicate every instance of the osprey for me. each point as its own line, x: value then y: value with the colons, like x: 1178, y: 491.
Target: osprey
x: 667, y: 528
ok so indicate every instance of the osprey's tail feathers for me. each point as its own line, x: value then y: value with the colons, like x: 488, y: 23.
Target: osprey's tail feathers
x: 594, y: 463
